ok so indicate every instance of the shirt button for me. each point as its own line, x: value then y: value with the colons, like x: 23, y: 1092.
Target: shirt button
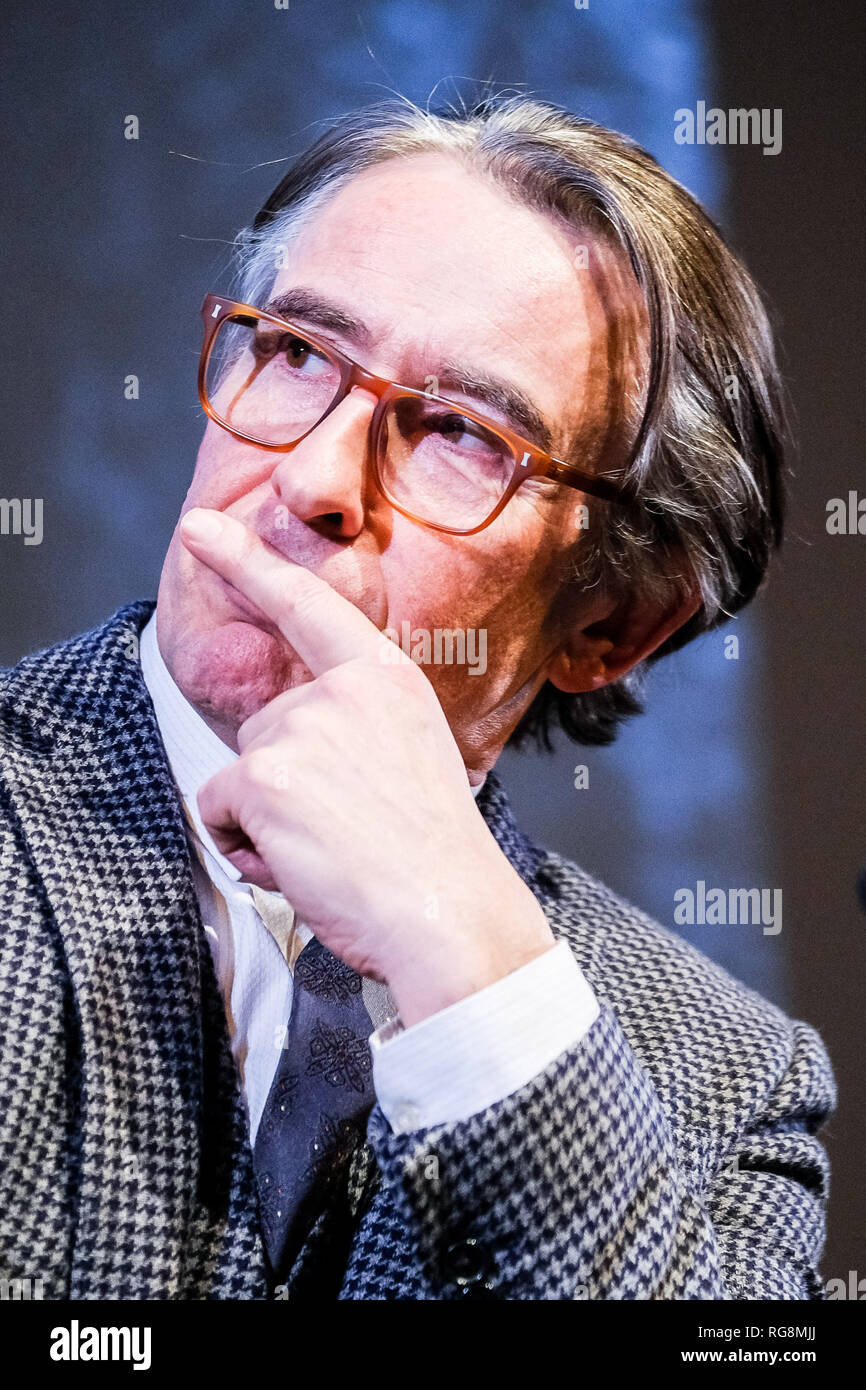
x: 407, y: 1115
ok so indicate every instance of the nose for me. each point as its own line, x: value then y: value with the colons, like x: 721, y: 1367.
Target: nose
x: 323, y: 481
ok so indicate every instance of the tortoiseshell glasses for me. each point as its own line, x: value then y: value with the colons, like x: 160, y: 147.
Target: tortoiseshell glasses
x: 438, y: 463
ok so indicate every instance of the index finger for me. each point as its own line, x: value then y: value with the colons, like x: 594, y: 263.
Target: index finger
x: 324, y: 628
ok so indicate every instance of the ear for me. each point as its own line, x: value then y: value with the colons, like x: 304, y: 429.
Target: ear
x: 630, y: 631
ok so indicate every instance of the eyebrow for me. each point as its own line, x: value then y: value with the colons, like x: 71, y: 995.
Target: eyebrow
x: 324, y: 313
x: 501, y: 395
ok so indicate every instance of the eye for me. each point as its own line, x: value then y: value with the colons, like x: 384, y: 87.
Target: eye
x: 300, y: 355
x: 460, y: 431
x: 292, y: 351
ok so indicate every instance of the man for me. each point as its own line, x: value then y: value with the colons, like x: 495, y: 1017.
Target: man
x: 292, y: 1008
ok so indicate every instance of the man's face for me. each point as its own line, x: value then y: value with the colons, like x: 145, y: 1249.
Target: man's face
x: 434, y: 265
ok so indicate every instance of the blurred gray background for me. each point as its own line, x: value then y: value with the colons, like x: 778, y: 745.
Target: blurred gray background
x: 743, y: 773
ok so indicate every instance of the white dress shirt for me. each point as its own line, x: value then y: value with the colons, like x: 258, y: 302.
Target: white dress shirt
x: 443, y: 1069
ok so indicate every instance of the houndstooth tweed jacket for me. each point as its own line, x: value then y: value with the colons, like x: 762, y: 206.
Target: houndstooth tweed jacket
x: 671, y: 1154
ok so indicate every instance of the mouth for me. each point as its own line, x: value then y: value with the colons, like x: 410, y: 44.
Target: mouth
x: 346, y: 581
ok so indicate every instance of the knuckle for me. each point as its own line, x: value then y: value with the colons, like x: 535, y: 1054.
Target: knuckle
x: 246, y: 733
x: 303, y: 597
x: 260, y: 767
x: 207, y: 799
x: 411, y: 679
x: 242, y: 553
x: 349, y: 679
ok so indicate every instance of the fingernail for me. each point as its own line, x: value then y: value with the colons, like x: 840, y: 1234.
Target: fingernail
x: 199, y: 525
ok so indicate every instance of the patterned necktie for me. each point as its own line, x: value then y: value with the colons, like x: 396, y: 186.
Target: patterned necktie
x: 318, y: 1103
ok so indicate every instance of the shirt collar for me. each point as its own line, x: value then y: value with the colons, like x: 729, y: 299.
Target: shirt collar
x: 195, y: 753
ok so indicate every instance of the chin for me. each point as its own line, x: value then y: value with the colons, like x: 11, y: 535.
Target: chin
x: 231, y: 671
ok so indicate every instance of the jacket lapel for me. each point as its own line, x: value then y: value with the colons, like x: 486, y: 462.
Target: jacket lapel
x: 166, y: 1204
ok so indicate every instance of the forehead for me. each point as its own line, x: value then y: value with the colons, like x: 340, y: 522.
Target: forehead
x: 439, y: 261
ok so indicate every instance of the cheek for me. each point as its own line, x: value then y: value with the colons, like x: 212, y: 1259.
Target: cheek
x: 225, y: 469
x: 508, y: 574
x: 502, y: 585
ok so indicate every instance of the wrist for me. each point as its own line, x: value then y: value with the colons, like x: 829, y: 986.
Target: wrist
x: 475, y: 948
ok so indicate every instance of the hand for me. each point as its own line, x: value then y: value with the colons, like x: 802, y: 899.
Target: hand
x: 350, y: 796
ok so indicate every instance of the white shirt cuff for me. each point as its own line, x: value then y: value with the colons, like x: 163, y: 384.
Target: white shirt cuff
x: 486, y: 1046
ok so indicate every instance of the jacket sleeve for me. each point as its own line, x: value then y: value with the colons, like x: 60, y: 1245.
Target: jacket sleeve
x: 572, y: 1187
x: 768, y: 1203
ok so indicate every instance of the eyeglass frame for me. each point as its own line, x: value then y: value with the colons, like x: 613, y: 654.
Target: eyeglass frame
x: 530, y: 461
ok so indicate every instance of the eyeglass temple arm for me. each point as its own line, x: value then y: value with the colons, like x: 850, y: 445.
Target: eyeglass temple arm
x: 596, y: 486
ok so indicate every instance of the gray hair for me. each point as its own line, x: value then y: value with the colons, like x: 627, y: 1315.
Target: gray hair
x: 704, y: 468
